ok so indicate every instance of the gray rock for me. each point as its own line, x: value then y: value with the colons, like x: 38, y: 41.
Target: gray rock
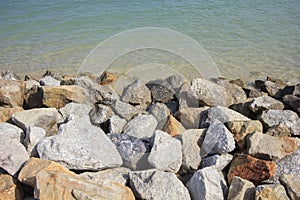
x: 218, y: 162
x: 125, y: 110
x: 190, y: 149
x: 157, y: 185
x: 272, y: 88
x: 222, y: 114
x: 270, y: 147
x: 12, y: 131
x: 75, y: 109
x: 186, y: 97
x: 271, y: 191
x: 45, y: 118
x: 210, y: 94
x: 191, y: 117
x: 218, y: 139
x: 265, y: 103
x: 116, y: 124
x: 176, y: 81
x: 207, y: 183
x: 161, y: 113
x: 296, y: 91
x: 132, y: 150
x: 241, y: 189
x: 291, y: 182
x: 101, y: 114
x: 49, y: 81
x: 119, y: 175
x: 137, y: 93
x: 13, y: 154
x: 293, y: 102
x: 166, y: 152
x: 33, y: 136
x: 289, y: 118
x: 141, y: 126
x: 161, y: 92
x: 80, y: 146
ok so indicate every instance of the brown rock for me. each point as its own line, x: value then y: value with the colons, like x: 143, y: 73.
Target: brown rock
x: 11, y: 93
x: 106, y: 78
x: 173, y: 126
x: 272, y: 191
x: 291, y: 183
x: 240, y: 129
x: 279, y: 130
x: 250, y: 168
x: 9, y: 189
x: 6, y: 113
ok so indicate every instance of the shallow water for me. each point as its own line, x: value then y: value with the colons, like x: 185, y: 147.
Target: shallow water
x: 248, y: 39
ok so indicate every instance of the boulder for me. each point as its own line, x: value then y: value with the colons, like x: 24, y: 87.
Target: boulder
x: 218, y: 139
x: 9, y: 188
x: 176, y: 81
x: 265, y: 103
x: 11, y: 93
x: 279, y: 130
x: 241, y: 189
x: 141, y: 126
x: 45, y: 118
x: 251, y: 169
x: 190, y: 118
x: 6, y: 113
x: 291, y: 182
x: 13, y: 154
x: 218, y: 162
x: 161, y: 113
x: 11, y: 131
x: 270, y: 147
x: 207, y: 183
x: 271, y: 191
x: 137, y: 93
x: 49, y: 81
x: 173, y: 126
x: 166, y: 152
x: 101, y: 114
x: 273, y: 89
x: 75, y: 109
x: 80, y: 146
x: 240, y: 129
x: 116, y: 124
x: 289, y: 118
x: 293, y: 102
x: 125, y: 110
x: 33, y: 136
x: 155, y: 184
x: 161, y: 92
x: 33, y: 97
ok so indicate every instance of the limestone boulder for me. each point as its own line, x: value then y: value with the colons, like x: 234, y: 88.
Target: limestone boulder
x: 161, y: 113
x: 216, y: 161
x: 241, y: 189
x: 271, y: 191
x: 11, y: 93
x: 116, y: 124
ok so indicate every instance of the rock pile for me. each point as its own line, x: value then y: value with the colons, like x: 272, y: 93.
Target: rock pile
x: 77, y: 138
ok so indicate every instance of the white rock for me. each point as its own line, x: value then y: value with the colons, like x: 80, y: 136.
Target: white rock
x: 101, y: 114
x: 125, y: 110
x: 217, y: 161
x: 75, y: 109
x: 11, y: 131
x: 33, y: 136
x: 265, y: 103
x: 116, y: 124
x: 50, y: 81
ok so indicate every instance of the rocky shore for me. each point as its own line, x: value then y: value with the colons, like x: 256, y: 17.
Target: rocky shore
x: 67, y: 137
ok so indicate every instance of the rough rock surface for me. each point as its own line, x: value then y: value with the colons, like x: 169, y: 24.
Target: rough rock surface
x: 166, y: 152
x: 9, y: 188
x: 240, y: 129
x: 270, y: 147
x: 13, y: 154
x: 141, y: 126
x: 6, y: 113
x: 75, y: 109
x: 49, y: 81
x: 207, y: 183
x: 173, y: 126
x: 274, y: 192
x: 291, y: 183
x: 250, y: 168
x: 155, y: 185
x: 125, y: 110
x: 161, y: 113
x: 80, y: 146
x: 11, y: 93
x: 218, y: 139
x: 116, y: 124
x: 279, y: 130
x: 161, y: 93
x: 32, y: 137
x: 241, y: 189
x: 265, y: 103
x: 218, y: 162
x: 11, y: 131
x: 101, y: 114
x: 190, y: 118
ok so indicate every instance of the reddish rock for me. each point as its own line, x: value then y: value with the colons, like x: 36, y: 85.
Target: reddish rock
x: 252, y: 169
x: 173, y: 126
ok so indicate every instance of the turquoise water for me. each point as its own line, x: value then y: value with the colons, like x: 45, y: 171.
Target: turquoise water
x: 247, y: 39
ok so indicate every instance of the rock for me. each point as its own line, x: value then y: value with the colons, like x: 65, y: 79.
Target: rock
x: 190, y: 118
x: 251, y: 169
x: 243, y: 109
x: 131, y: 149
x: 207, y: 183
x: 296, y: 91
x: 161, y: 113
x: 6, y: 113
x: 59, y: 96
x: 33, y: 97
x: 218, y: 162
x: 291, y: 183
x: 9, y: 188
x: 241, y: 189
x: 240, y: 129
x: 269, y: 147
x: 185, y: 96
x: 116, y: 124
x: 80, y: 146
x: 13, y: 154
x: 49, y: 81
x: 273, y: 89
x: 125, y: 110
x: 173, y: 126
x: 293, y: 102
x: 161, y: 93
x: 45, y: 118
x: 176, y: 81
x: 74, y: 109
x: 166, y: 152
x: 190, y: 149
x: 253, y: 93
x: 289, y: 118
x: 11, y: 93
x: 218, y: 139
x: 209, y: 93
x: 11, y: 131
x: 106, y: 78
x: 33, y: 136
x: 222, y: 114
x: 9, y: 76
x: 119, y: 175
x: 238, y: 82
x: 101, y: 114
x: 265, y: 103
x: 279, y: 130
x: 155, y: 184
x: 137, y: 93
x: 30, y: 84
x: 276, y: 192
x: 141, y: 126
x: 173, y: 106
